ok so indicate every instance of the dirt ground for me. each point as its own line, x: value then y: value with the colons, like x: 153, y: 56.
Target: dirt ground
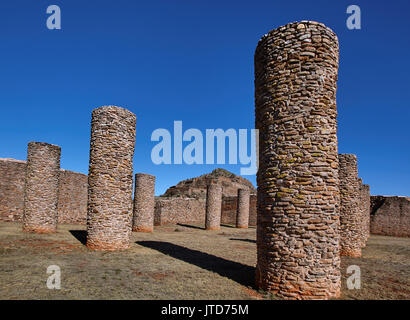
x: 174, y: 262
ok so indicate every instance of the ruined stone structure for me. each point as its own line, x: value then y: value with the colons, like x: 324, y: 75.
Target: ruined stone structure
x: 351, y: 220
x: 390, y: 216
x: 72, y: 193
x: 213, y: 207
x: 196, y: 187
x: 242, y: 218
x: 144, y: 203
x: 298, y: 186
x: 109, y: 214
x: 41, y: 188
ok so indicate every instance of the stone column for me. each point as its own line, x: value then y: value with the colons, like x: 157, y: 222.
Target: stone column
x: 109, y: 212
x: 242, y: 210
x: 144, y: 203
x: 213, y: 207
x: 41, y: 188
x: 362, y: 212
x: 366, y: 195
x: 298, y: 186
x: 350, y: 212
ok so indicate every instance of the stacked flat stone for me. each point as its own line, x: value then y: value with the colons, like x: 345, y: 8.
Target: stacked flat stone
x: 362, y: 212
x: 242, y: 215
x: 350, y: 213
x: 365, y: 204
x: 144, y: 203
x: 213, y: 206
x: 298, y: 187
x: 366, y: 200
x: 41, y: 188
x: 109, y: 210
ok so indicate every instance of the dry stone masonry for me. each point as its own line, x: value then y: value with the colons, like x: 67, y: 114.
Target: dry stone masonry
x: 366, y: 204
x: 242, y: 219
x: 41, y: 188
x: 390, y: 216
x: 350, y: 212
x: 213, y: 207
x: 298, y: 187
x: 364, y: 209
x: 144, y: 203
x: 109, y: 213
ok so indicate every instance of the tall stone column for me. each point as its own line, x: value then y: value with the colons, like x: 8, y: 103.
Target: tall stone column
x: 242, y: 210
x: 350, y: 212
x: 362, y: 212
x: 213, y: 207
x: 298, y: 186
x: 41, y: 188
x: 366, y: 196
x: 144, y: 203
x: 109, y: 212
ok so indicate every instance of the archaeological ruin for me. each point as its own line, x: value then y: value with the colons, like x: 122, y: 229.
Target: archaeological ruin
x: 41, y: 188
x: 350, y: 213
x: 110, y: 179
x: 310, y: 206
x: 213, y: 206
x: 298, y: 183
x: 242, y: 216
x: 144, y: 203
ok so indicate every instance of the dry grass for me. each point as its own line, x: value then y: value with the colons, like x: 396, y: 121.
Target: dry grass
x: 174, y: 262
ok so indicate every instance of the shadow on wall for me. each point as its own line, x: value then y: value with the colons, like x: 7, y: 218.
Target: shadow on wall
x: 80, y: 235
x: 238, y: 272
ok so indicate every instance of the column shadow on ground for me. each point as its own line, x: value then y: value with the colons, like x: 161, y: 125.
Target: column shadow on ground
x: 189, y: 226
x: 245, y: 240
x: 80, y: 235
x: 238, y: 272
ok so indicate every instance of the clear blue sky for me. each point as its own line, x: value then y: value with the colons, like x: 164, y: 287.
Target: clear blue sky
x: 193, y: 61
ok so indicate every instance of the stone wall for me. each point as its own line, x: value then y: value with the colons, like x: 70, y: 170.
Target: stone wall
x: 72, y: 203
x: 12, y: 180
x: 179, y: 210
x: 298, y: 187
x: 72, y: 197
x: 390, y: 216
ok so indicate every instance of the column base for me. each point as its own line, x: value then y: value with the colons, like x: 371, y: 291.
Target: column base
x: 107, y: 246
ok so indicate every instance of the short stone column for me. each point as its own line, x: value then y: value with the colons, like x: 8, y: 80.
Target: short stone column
x: 144, y: 203
x: 41, y: 188
x: 350, y: 211
x: 298, y: 186
x: 242, y: 210
x: 109, y: 211
x: 213, y: 207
